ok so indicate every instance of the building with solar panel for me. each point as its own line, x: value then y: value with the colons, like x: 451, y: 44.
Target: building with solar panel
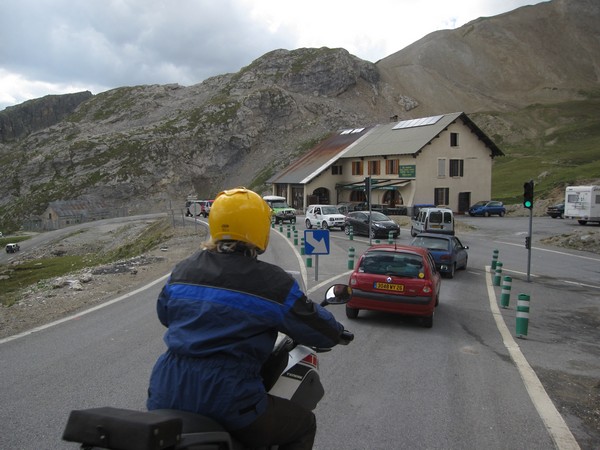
x: 443, y: 160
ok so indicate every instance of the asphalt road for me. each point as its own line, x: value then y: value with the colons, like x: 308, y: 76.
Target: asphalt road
x: 397, y: 386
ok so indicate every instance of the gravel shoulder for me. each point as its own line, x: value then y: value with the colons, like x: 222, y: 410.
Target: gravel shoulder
x: 53, y: 299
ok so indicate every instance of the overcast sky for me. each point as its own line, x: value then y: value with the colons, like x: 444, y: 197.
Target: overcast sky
x: 62, y: 46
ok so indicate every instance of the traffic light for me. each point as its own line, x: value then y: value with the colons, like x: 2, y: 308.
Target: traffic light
x: 528, y: 194
x: 527, y: 242
x: 367, y: 185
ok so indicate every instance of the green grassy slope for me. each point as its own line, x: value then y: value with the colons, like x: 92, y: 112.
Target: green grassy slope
x: 561, y: 146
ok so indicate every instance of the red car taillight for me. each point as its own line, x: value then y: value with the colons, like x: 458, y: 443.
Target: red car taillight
x: 427, y: 289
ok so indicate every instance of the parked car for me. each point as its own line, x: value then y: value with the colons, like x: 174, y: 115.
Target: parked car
x: 345, y: 208
x: 448, y: 252
x: 381, y: 225
x: 433, y: 220
x: 557, y: 210
x: 416, y: 209
x: 324, y: 216
x: 487, y: 208
x: 280, y: 210
x: 396, y: 279
x: 399, y: 210
x: 12, y: 248
x: 198, y: 207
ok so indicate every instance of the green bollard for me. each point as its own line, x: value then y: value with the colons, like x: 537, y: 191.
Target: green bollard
x: 351, y: 258
x: 281, y: 228
x: 391, y: 237
x: 302, y: 246
x: 505, y: 295
x: 522, y: 315
x: 295, y: 237
x: 498, y: 275
x: 351, y: 234
x: 309, y: 262
x: 494, y: 259
x: 289, y: 234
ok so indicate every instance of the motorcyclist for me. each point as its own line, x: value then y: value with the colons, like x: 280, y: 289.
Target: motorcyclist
x: 223, y: 308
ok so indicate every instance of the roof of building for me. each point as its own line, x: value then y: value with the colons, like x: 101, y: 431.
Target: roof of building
x: 75, y: 208
x: 407, y: 137
x: 320, y: 157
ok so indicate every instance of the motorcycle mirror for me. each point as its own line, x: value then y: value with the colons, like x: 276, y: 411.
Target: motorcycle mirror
x: 337, y: 294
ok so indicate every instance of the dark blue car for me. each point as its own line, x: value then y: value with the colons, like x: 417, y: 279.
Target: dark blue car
x: 487, y: 209
x: 448, y: 252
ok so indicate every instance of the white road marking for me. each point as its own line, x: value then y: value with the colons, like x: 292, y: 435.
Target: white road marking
x: 83, y: 313
x: 550, y: 251
x: 557, y: 428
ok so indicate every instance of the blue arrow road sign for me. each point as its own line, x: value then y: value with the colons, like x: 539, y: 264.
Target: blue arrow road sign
x: 316, y: 242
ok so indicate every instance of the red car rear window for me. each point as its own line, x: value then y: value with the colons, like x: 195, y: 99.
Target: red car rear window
x: 397, y: 264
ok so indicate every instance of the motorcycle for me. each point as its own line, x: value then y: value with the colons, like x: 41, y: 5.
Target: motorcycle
x: 295, y: 377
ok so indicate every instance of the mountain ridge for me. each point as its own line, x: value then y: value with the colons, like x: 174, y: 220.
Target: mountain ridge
x: 148, y: 147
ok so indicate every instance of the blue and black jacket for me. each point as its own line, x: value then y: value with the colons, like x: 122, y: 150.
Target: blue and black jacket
x: 223, y: 312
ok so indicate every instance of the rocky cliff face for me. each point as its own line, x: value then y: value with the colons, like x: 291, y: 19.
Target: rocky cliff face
x: 148, y: 147
x: 19, y: 121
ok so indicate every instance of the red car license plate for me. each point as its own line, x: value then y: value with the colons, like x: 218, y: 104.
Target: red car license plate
x: 389, y: 286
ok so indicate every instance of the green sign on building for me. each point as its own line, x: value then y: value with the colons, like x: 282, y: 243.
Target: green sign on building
x: 408, y: 171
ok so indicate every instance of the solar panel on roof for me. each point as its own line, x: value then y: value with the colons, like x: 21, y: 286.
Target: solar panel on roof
x: 352, y: 131
x: 421, y: 122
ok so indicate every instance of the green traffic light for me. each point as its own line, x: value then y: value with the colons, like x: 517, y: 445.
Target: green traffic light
x: 527, y: 204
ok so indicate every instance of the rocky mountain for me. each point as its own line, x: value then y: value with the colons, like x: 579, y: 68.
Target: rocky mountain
x: 148, y: 147
x: 18, y: 121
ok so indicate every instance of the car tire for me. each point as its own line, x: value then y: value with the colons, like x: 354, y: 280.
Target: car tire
x: 465, y: 266
x: 324, y: 226
x: 308, y: 224
x: 351, y: 313
x: 347, y: 230
x: 486, y: 214
x: 427, y: 322
x: 412, y: 232
x: 452, y: 270
x: 501, y: 214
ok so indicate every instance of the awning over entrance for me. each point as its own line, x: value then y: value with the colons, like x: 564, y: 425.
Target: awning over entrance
x: 386, y: 184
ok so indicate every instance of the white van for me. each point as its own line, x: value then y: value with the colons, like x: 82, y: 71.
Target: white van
x: 433, y: 220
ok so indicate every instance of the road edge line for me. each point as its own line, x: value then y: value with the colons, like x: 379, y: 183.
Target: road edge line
x: 84, y: 312
x: 555, y: 424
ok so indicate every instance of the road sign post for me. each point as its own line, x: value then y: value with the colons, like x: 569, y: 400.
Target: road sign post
x: 316, y: 242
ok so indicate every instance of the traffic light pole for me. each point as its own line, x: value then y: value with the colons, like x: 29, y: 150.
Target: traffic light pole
x: 529, y: 246
x: 528, y: 191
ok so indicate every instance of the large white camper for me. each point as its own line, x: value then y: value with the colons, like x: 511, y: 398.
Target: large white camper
x: 582, y: 203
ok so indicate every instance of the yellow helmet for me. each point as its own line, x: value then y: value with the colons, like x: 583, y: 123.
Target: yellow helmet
x: 240, y: 215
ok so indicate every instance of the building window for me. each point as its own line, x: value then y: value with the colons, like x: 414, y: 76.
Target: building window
x: 374, y: 168
x: 441, y: 196
x: 392, y: 166
x: 457, y: 167
x: 357, y: 168
x: 453, y: 139
x: 441, y: 167
x: 336, y: 170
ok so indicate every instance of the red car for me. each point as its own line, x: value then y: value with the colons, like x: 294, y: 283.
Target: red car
x: 395, y: 278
